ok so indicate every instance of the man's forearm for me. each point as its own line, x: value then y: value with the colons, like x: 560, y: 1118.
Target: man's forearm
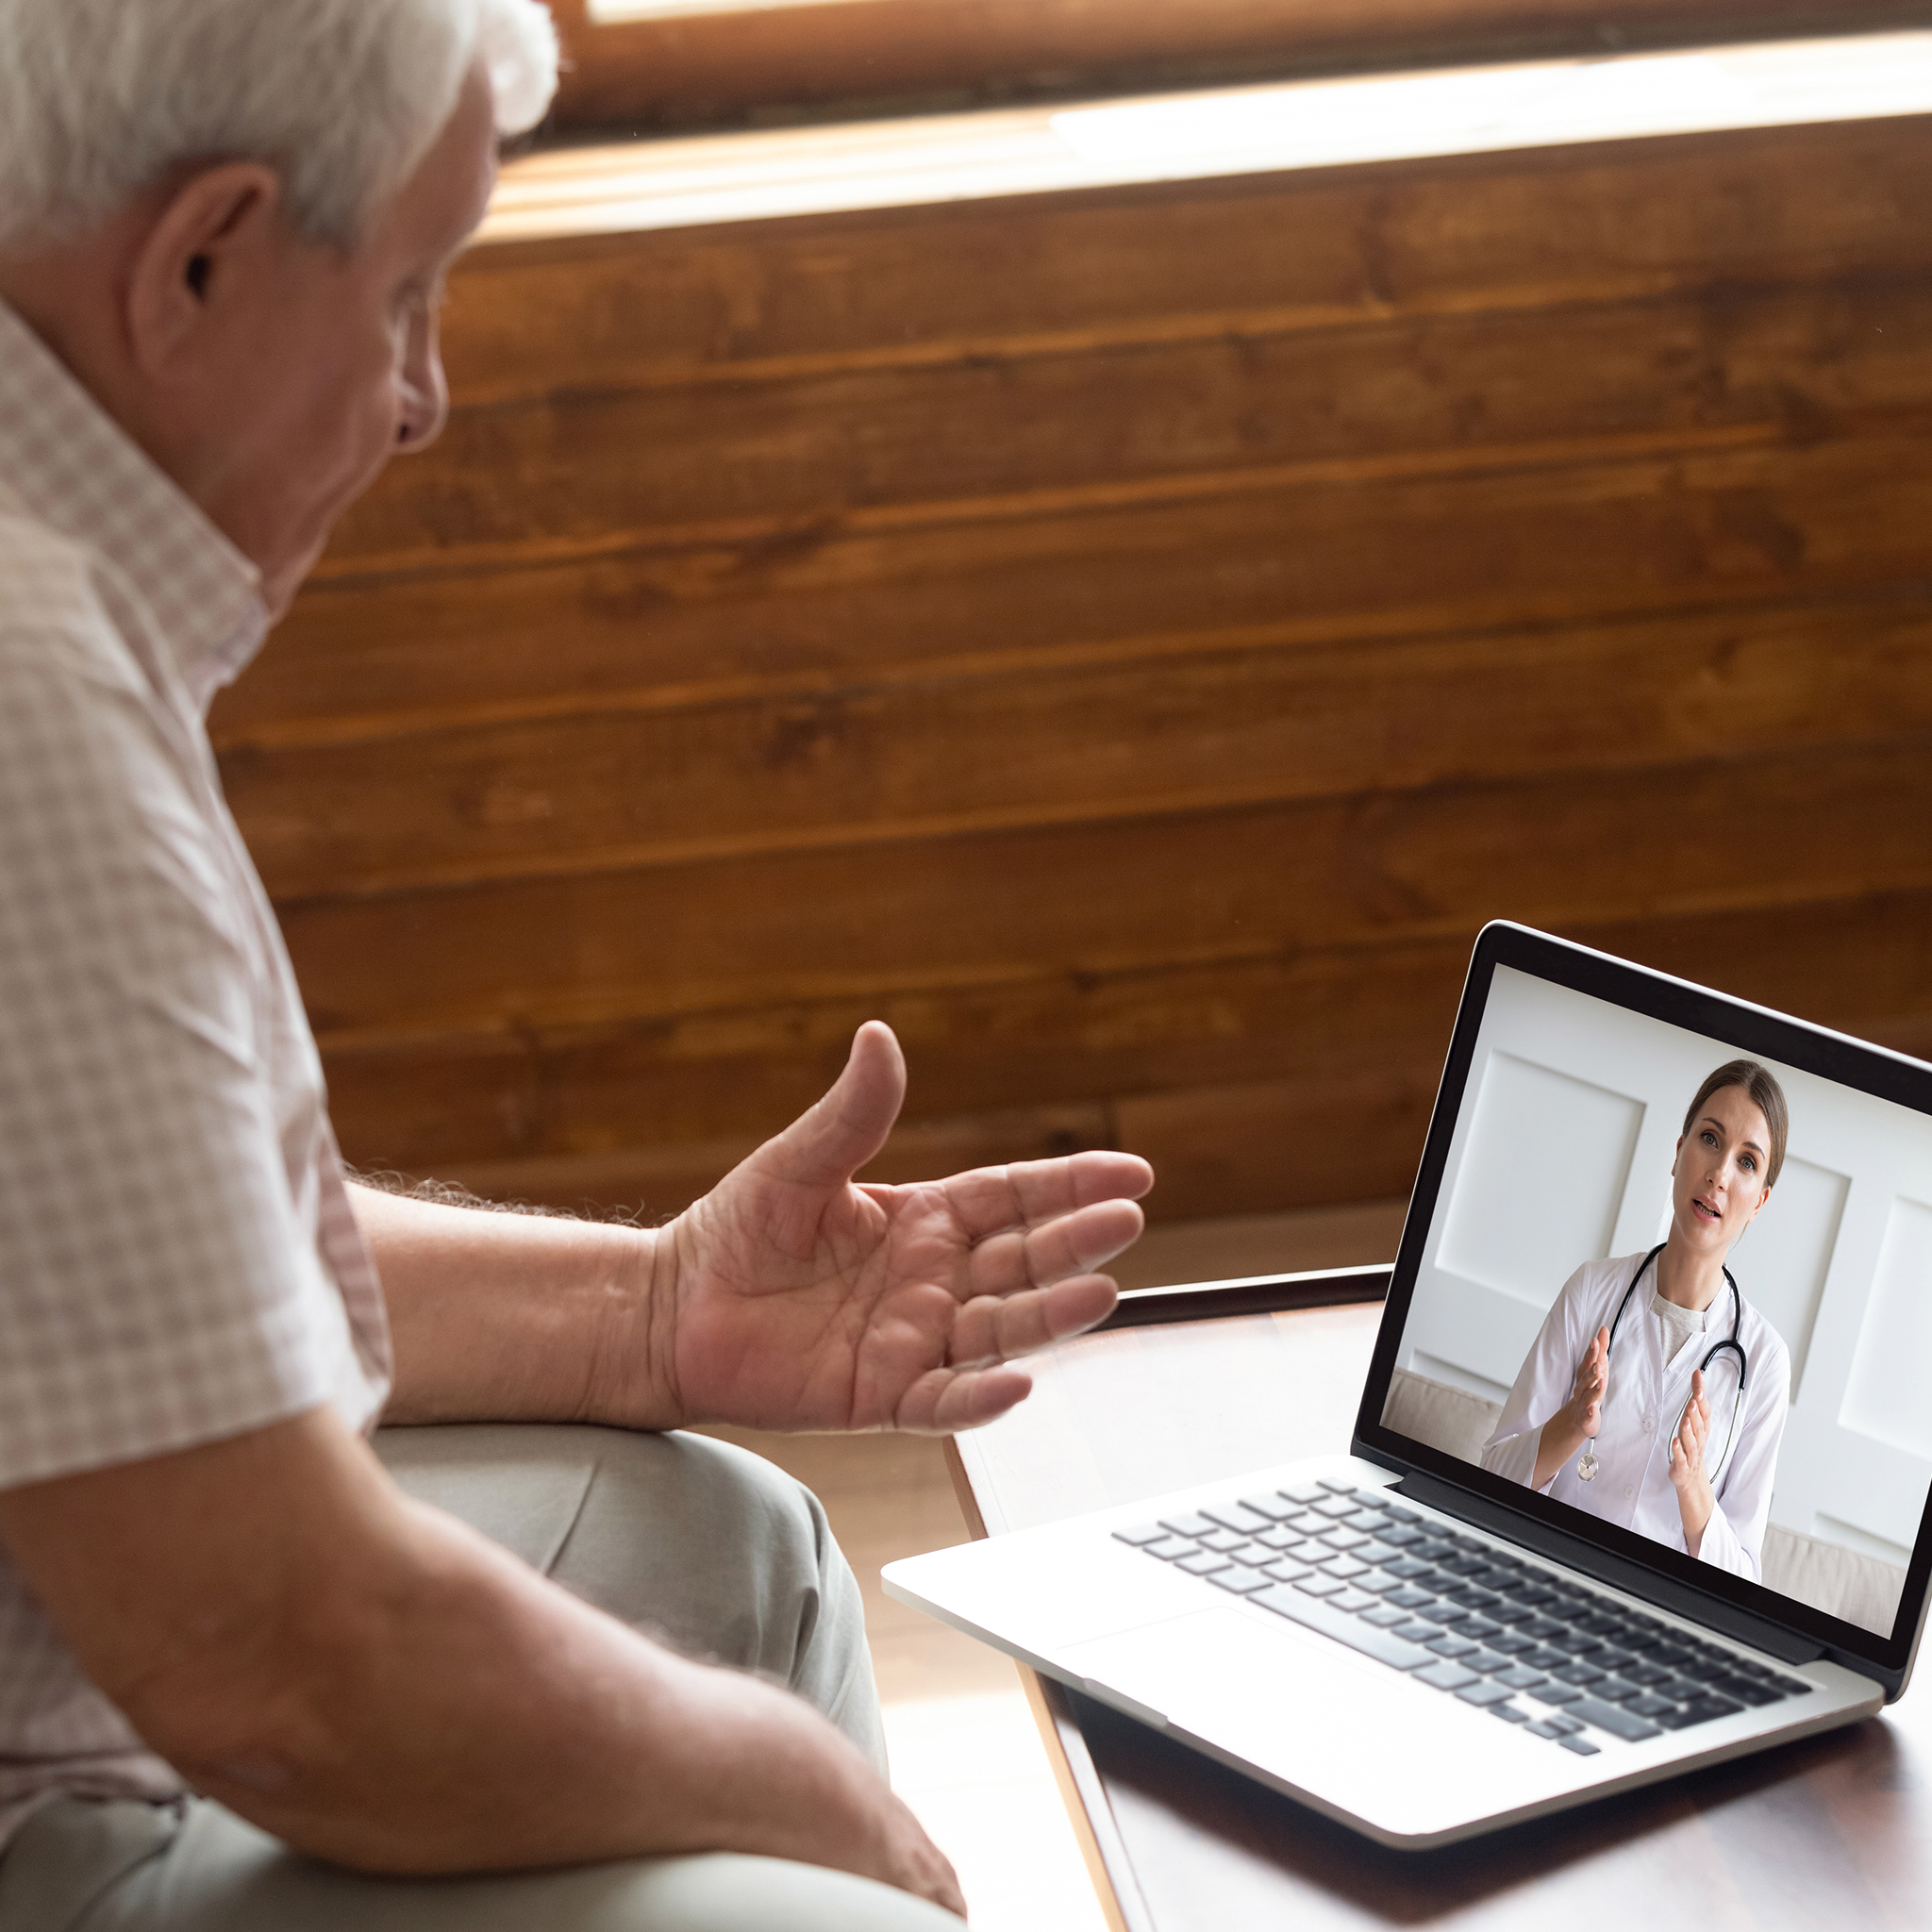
x: 510, y: 1317
x: 506, y: 1726
x: 377, y: 1684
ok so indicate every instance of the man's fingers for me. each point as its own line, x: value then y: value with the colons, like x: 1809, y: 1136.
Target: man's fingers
x: 1010, y: 1263
x: 992, y: 1328
x: 832, y: 1139
x: 1028, y: 1193
x: 945, y: 1400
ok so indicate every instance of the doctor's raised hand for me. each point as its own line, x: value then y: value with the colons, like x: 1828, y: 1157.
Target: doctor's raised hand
x: 792, y: 1297
x: 1578, y: 1420
x: 1695, y: 1499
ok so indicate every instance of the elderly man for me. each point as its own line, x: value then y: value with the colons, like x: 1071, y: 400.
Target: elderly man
x: 249, y: 1676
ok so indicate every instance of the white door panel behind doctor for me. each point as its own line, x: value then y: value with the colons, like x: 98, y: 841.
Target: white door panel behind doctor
x: 1565, y: 1156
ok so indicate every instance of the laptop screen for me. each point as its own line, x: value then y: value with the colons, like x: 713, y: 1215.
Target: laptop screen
x: 1666, y: 1284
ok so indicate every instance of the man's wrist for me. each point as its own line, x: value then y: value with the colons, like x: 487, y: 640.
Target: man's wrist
x: 631, y: 1377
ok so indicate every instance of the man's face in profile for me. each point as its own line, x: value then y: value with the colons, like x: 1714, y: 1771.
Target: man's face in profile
x: 342, y: 366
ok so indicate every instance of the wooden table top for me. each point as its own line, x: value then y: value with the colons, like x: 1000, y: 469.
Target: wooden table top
x: 1832, y: 1830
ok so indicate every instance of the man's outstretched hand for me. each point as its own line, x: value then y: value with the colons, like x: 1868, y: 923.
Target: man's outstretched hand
x: 792, y: 1298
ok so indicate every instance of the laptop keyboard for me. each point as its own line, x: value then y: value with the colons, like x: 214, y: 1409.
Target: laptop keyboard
x: 1460, y: 1615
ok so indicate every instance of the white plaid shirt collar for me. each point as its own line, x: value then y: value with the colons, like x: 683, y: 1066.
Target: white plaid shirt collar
x: 70, y: 465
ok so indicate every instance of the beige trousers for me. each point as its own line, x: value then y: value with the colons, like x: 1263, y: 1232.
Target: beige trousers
x: 701, y: 1543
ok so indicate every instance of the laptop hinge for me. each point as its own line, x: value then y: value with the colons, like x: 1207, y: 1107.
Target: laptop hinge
x: 1574, y: 1554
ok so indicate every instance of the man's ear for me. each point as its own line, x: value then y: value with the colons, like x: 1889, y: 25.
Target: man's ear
x: 213, y: 238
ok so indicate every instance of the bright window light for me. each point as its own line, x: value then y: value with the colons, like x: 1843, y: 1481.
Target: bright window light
x: 1246, y: 130
x: 613, y: 13
x: 1467, y: 110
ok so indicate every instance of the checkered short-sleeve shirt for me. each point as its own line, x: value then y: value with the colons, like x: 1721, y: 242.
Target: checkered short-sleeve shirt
x: 178, y: 1258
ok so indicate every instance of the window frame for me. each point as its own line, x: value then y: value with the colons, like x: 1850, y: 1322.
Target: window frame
x: 758, y: 65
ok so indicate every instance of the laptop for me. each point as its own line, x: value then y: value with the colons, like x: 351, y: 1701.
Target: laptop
x: 1430, y: 1635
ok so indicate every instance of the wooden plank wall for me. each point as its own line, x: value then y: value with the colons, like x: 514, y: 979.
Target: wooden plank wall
x: 1130, y: 642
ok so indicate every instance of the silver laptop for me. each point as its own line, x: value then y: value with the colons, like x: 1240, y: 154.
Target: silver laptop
x: 1477, y: 1614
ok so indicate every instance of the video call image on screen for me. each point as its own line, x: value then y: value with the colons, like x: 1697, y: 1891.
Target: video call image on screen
x: 1558, y: 1183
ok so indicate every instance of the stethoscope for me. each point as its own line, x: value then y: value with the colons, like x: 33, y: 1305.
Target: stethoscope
x: 1587, y: 1464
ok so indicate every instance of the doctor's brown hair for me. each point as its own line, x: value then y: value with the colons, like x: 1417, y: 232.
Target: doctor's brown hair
x: 1761, y: 1083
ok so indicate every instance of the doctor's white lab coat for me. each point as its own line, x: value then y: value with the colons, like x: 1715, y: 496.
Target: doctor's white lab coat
x: 1642, y: 1405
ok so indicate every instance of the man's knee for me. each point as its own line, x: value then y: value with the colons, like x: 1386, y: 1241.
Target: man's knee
x: 725, y: 1552
x: 707, y: 1545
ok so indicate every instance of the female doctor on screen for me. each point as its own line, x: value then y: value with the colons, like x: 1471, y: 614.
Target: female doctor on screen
x: 1628, y: 1405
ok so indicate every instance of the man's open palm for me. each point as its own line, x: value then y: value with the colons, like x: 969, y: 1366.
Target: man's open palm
x: 791, y: 1297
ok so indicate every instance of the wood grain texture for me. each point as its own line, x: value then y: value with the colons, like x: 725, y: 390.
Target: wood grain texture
x: 725, y: 66
x: 1130, y: 642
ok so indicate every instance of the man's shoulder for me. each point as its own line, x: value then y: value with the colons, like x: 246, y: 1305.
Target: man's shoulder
x: 46, y: 577
x: 55, y: 615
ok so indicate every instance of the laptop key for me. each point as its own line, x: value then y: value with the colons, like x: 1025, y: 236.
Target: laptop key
x: 1582, y: 1746
x: 1485, y: 1694
x: 1242, y: 1582
x: 1348, y: 1568
x: 1512, y: 1644
x: 1336, y: 1487
x: 1147, y: 1533
x: 1187, y: 1526
x: 1383, y: 1645
x: 1614, y: 1719
x: 1372, y: 1499
x: 1305, y: 1494
x: 1221, y: 1540
x: 1508, y: 1714
x: 1706, y: 1709
x: 1447, y: 1677
x: 1746, y: 1690
x: 1336, y: 1506
x: 1448, y: 1645
x: 1579, y: 1674
x: 1488, y: 1663
x: 1285, y: 1570
x: 1520, y: 1679
x: 1417, y: 1631
x: 1383, y: 1618
x: 1273, y: 1508
x: 1645, y: 1705
x: 1559, y: 1693
x: 1343, y: 1539
x: 1237, y: 1516
x: 1353, y: 1601
x: 1364, y: 1520
x: 1400, y: 1534
x: 1409, y: 1598
x: 1205, y: 1563
x: 1173, y: 1547
x: 1541, y: 1728
x: 1318, y: 1585
x: 1280, y: 1538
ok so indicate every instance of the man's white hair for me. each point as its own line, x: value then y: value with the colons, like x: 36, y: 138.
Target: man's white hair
x: 101, y: 98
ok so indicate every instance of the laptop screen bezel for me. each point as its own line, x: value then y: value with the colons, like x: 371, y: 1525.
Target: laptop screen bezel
x: 1751, y: 1029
